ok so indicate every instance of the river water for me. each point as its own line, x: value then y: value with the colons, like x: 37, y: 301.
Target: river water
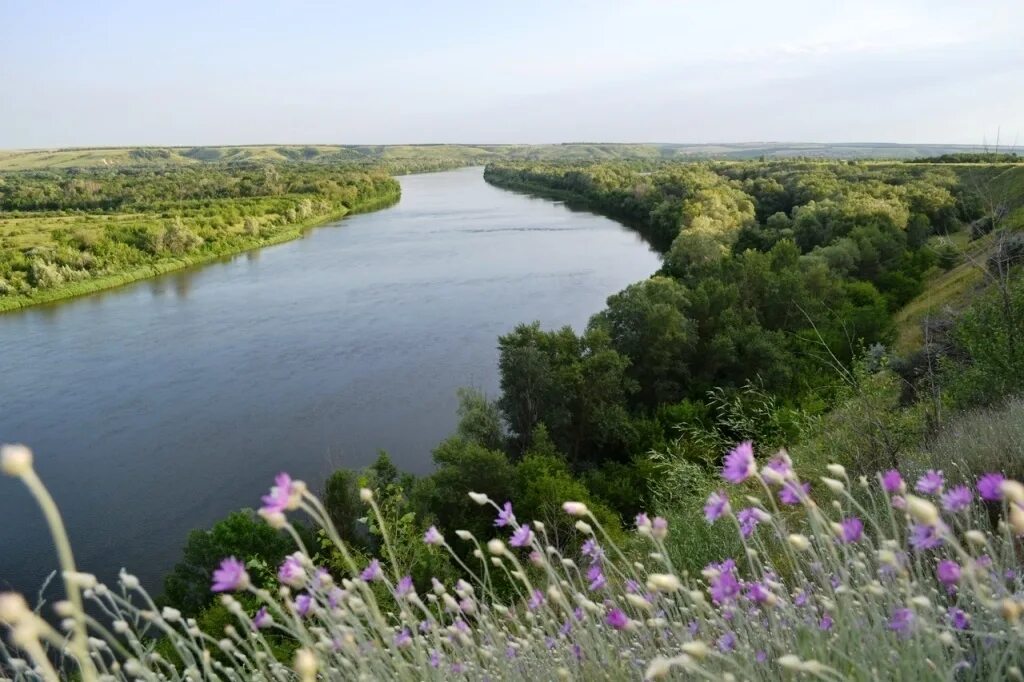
x: 161, y: 406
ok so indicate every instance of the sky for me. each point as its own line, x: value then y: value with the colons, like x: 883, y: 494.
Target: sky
x: 209, y: 72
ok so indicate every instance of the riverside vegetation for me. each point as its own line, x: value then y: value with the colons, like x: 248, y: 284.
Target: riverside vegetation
x: 64, y: 233
x: 892, y: 521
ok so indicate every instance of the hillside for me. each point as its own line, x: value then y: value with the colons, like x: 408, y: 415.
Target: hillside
x: 92, y: 157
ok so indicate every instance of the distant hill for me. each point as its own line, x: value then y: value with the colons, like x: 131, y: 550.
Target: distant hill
x: 92, y: 157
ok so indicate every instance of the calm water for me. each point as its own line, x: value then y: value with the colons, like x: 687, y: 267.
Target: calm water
x: 161, y: 406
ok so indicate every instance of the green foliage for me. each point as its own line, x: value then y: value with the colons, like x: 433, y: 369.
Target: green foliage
x: 479, y: 419
x: 575, y: 385
x: 63, y: 233
x: 988, y: 338
x: 242, y: 535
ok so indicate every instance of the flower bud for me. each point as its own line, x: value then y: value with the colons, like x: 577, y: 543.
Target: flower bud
x: 832, y: 484
x: 584, y: 527
x: 1012, y: 490
x: 366, y: 495
x: 305, y: 665
x: 496, y: 547
x: 12, y: 607
x: 922, y: 510
x: 639, y: 602
x: 1016, y: 518
x: 574, y: 508
x: 837, y: 470
x: 975, y: 537
x: 696, y: 648
x: 15, y: 460
x: 663, y: 582
x: 790, y: 662
x: 479, y: 498
x: 799, y: 542
x: 274, y: 519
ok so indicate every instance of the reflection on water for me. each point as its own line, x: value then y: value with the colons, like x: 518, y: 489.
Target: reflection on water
x: 160, y: 406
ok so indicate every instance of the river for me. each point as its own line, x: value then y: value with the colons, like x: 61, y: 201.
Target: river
x: 160, y: 406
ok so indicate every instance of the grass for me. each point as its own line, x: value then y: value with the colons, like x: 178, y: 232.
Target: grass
x: 943, y: 291
x: 103, y: 157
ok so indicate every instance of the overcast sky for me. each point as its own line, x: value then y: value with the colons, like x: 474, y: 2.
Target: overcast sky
x: 99, y: 72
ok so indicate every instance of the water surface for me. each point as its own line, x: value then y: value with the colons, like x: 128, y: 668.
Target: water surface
x: 161, y: 406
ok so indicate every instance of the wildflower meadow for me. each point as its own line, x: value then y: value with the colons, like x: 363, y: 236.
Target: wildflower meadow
x: 872, y: 578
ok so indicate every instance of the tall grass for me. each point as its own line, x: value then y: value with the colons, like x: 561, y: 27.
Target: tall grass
x: 854, y: 579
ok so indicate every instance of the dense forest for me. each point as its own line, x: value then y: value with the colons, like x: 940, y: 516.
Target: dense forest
x: 63, y: 233
x: 784, y: 289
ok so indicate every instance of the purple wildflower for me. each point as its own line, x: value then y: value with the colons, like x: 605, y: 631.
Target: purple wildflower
x: 435, y: 658
x: 727, y: 642
x: 303, y: 603
x: 404, y: 586
x: 758, y: 593
x: 230, y: 576
x: 592, y: 550
x: 792, y: 493
x: 739, y: 463
x: 717, y: 504
x: 334, y: 597
x: 724, y: 587
x: 659, y: 527
x: 433, y: 536
x: 372, y: 572
x: 280, y: 497
x: 948, y: 572
x: 536, y: 599
x: 748, y: 519
x: 923, y: 536
x: 596, y: 578
x: 617, y: 619
x: 642, y: 520
x: 521, y: 537
x: 901, y: 621
x: 990, y: 486
x: 958, y: 618
x: 761, y: 656
x: 825, y: 624
x: 262, y: 619
x: 892, y: 481
x: 852, y: 529
x: 566, y: 627
x: 505, y: 516
x: 781, y: 464
x: 930, y: 483
x: 403, y: 638
x: 632, y: 586
x: 291, y: 571
x: 801, y: 598
x: 956, y: 498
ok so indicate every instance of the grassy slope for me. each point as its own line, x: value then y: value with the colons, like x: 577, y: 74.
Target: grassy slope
x: 953, y: 289
x: 148, y: 156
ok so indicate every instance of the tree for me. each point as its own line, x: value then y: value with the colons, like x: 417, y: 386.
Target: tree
x: 647, y: 323
x: 243, y: 535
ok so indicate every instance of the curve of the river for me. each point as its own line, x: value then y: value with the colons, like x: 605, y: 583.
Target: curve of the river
x: 160, y: 406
